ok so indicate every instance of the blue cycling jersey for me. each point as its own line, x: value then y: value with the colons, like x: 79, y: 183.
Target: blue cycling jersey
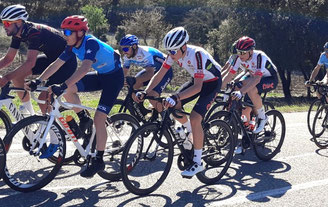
x: 145, y: 57
x: 323, y: 60
x: 102, y: 55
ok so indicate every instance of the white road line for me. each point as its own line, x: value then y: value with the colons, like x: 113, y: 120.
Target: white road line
x: 273, y: 192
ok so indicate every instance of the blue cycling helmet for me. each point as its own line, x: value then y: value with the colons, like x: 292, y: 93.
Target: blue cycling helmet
x: 325, y: 47
x: 129, y: 40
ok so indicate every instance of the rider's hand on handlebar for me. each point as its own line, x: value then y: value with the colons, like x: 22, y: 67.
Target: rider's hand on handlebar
x: 308, y: 83
x: 58, y: 89
x: 170, y: 101
x: 237, y: 95
x: 140, y: 96
x: 32, y: 85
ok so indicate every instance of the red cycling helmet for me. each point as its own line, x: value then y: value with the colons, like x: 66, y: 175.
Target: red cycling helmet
x: 75, y: 23
x: 245, y: 43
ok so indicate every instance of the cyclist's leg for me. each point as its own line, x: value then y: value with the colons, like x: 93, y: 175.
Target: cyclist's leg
x: 206, y: 98
x: 111, y: 85
x: 266, y: 84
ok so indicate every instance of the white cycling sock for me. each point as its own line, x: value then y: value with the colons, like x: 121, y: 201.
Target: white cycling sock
x: 198, y: 156
x: 29, y: 107
x: 187, y: 125
x: 261, y: 113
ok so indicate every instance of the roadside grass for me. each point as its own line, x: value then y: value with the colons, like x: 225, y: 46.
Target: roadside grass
x: 297, y: 104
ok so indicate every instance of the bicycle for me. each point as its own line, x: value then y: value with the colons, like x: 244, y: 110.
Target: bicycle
x: 221, y: 103
x: 137, y: 110
x: 268, y: 142
x: 320, y: 126
x: 148, y: 156
x: 2, y: 158
x: 25, y: 172
x: 316, y: 105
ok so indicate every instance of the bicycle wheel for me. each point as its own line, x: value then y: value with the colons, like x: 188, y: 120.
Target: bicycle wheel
x: 2, y: 158
x: 119, y: 129
x: 229, y: 118
x: 118, y: 107
x: 218, y: 106
x: 313, y: 109
x: 320, y: 128
x: 145, y: 164
x: 5, y: 123
x: 268, y: 142
x: 25, y: 171
x: 218, y: 151
x: 268, y: 106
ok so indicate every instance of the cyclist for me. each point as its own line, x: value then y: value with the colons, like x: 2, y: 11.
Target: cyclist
x: 261, y: 76
x: 323, y: 61
x: 205, y: 83
x: 108, y: 77
x: 39, y: 38
x: 150, y: 59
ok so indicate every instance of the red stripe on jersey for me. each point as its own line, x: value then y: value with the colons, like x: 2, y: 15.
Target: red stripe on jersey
x: 165, y: 65
x: 232, y: 71
x: 199, y: 75
x: 210, y: 80
x: 259, y: 73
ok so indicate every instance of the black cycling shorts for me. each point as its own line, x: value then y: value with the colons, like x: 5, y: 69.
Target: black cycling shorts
x: 61, y: 75
x: 110, y: 83
x: 206, y: 95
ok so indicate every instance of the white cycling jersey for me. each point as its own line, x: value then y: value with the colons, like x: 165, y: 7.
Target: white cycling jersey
x: 198, y: 62
x: 259, y: 64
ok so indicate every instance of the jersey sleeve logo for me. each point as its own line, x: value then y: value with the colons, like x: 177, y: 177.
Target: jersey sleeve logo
x: 199, y: 60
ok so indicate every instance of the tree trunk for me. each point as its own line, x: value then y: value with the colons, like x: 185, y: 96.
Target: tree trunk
x: 306, y: 77
x: 285, y: 84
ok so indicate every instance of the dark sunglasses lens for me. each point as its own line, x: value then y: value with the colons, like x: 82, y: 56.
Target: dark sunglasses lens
x: 67, y: 32
x: 125, y: 49
x: 173, y: 52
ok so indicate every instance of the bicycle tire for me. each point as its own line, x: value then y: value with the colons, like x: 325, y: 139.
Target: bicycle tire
x: 134, y: 159
x: 6, y: 121
x: 268, y: 106
x: 116, y: 142
x: 314, y: 107
x: 118, y: 107
x: 262, y: 147
x: 218, y: 106
x: 2, y: 158
x: 28, y: 180
x: 216, y: 142
x: 319, y: 136
x: 229, y: 118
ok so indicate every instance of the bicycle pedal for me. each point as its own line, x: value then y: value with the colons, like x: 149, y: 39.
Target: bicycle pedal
x: 187, y: 177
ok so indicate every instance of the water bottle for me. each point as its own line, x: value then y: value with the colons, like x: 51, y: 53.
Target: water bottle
x: 74, y: 127
x: 245, y: 121
x: 252, y: 124
x: 186, y: 144
x: 23, y: 110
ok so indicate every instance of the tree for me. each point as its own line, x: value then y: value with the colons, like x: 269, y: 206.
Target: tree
x: 147, y: 23
x: 97, y: 21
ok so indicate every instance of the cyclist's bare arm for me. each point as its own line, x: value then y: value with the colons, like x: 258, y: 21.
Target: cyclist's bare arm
x: 315, y: 73
x: 253, y: 81
x: 51, y: 69
x: 26, y: 68
x: 225, y: 69
x: 226, y: 79
x: 8, y: 58
x: 194, y: 89
x: 156, y: 79
x: 79, y: 73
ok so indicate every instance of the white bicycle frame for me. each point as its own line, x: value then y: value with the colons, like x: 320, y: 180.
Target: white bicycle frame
x: 56, y: 115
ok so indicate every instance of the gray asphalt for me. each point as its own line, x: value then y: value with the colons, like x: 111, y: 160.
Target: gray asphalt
x: 297, y: 176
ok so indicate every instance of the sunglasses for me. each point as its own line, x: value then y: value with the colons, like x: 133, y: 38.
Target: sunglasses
x: 67, y: 32
x: 173, y: 52
x: 125, y: 49
x: 240, y: 52
x: 8, y: 23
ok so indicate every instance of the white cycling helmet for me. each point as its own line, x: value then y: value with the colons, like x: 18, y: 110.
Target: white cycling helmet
x: 14, y: 12
x: 175, y: 38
